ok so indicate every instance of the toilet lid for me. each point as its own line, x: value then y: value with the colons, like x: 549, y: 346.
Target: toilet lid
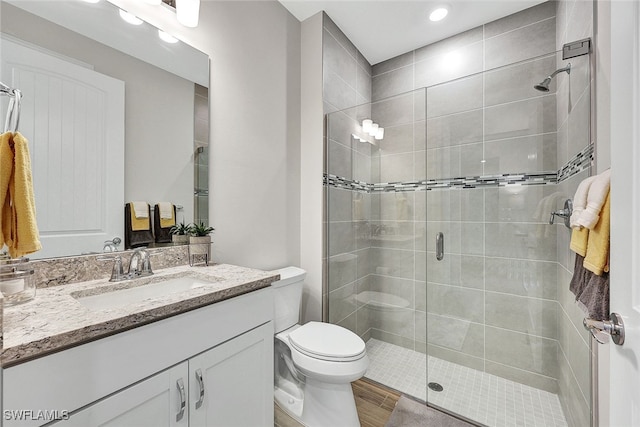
x: 327, y: 341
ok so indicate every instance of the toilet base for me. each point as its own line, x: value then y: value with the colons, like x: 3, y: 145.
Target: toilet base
x: 324, y: 404
x: 327, y: 404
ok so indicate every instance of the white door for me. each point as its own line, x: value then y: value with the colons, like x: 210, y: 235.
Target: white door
x: 155, y: 402
x: 73, y: 118
x: 237, y: 382
x: 624, y: 386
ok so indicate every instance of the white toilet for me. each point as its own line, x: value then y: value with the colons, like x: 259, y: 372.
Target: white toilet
x: 314, y: 363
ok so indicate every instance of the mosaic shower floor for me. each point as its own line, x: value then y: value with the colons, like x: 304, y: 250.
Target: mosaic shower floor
x: 478, y: 396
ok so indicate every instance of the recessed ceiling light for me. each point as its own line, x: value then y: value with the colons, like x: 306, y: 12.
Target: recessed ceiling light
x: 130, y: 18
x: 92, y: 1
x: 438, y: 14
x: 167, y: 37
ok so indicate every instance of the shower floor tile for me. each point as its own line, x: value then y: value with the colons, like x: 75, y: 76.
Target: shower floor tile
x: 476, y: 395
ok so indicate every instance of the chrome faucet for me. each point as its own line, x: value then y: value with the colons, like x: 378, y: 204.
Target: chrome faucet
x: 139, y: 263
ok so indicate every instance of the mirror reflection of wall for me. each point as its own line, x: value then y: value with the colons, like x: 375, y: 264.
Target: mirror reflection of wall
x: 201, y: 156
x: 166, y: 120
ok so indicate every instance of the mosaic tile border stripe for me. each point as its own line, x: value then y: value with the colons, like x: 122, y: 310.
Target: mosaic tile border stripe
x: 539, y: 178
x: 580, y: 162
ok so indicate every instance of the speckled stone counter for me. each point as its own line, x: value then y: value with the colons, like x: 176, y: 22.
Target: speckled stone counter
x: 57, y: 319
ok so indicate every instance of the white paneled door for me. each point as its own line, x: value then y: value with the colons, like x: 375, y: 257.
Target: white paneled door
x: 73, y: 118
x: 624, y: 385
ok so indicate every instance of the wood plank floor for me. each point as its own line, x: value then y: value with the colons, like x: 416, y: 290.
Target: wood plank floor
x: 373, y: 402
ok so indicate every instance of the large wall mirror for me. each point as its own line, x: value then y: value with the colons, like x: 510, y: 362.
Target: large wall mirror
x: 112, y: 113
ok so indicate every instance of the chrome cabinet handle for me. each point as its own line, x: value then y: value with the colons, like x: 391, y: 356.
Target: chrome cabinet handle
x: 183, y: 399
x: 201, y: 385
x: 440, y: 246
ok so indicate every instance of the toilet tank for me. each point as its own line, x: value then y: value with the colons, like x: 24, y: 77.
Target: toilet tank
x: 287, y: 297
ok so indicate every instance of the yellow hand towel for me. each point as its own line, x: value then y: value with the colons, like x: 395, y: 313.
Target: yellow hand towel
x: 139, y: 224
x: 6, y: 169
x: 24, y: 232
x: 167, y: 222
x: 597, y: 258
x: 579, y: 238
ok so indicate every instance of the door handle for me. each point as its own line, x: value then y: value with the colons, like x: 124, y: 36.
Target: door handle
x: 183, y: 399
x: 603, y: 329
x: 201, y: 385
x: 440, y: 246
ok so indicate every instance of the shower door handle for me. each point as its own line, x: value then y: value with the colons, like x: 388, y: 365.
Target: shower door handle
x: 440, y: 246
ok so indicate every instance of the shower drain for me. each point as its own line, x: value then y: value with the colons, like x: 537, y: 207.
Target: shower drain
x: 435, y: 387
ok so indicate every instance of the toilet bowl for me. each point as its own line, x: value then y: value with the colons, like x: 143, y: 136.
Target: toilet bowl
x: 315, y: 363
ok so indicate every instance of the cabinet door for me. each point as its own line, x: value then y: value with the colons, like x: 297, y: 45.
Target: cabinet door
x: 154, y: 402
x: 237, y: 379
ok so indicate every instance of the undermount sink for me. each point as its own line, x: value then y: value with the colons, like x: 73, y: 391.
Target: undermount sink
x: 136, y: 291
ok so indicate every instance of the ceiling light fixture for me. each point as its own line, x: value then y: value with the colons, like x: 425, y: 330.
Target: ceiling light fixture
x: 92, y: 1
x: 166, y: 37
x: 187, y: 12
x: 438, y: 14
x: 130, y: 18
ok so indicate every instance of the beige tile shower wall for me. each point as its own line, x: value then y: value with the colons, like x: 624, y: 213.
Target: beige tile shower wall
x: 492, y: 302
x: 575, y: 20
x: 346, y: 83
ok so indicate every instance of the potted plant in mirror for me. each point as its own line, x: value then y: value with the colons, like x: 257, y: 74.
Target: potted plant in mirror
x: 200, y: 240
x: 180, y: 233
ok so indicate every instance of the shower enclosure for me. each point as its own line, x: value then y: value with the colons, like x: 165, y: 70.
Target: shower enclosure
x: 486, y: 329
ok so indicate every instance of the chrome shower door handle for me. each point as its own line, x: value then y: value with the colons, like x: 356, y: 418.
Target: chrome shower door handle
x: 183, y: 399
x: 201, y: 385
x: 440, y: 246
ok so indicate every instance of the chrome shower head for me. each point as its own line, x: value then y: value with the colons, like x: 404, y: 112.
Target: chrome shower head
x: 544, y: 85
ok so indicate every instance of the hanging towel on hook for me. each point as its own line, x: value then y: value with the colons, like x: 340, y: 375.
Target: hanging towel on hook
x: 597, y: 193
x: 596, y: 259
x: 6, y: 169
x: 580, y: 201
x: 19, y: 227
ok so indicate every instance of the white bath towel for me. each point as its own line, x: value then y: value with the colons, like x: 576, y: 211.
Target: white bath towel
x: 580, y: 200
x: 166, y: 210
x: 595, y: 200
x: 141, y: 209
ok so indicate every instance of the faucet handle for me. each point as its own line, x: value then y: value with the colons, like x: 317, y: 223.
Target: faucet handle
x: 145, y: 266
x: 117, y: 272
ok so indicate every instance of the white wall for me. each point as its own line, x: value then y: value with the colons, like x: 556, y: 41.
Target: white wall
x: 255, y: 126
x: 602, y: 46
x: 311, y: 232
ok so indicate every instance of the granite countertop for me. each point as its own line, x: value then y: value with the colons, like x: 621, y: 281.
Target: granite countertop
x: 55, y: 319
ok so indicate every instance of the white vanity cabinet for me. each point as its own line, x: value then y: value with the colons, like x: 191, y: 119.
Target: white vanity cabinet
x: 131, y: 378
x: 214, y: 388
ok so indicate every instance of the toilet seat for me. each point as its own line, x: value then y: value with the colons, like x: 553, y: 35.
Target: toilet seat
x: 325, y: 341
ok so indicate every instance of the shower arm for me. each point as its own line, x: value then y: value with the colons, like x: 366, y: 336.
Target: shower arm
x: 556, y: 72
